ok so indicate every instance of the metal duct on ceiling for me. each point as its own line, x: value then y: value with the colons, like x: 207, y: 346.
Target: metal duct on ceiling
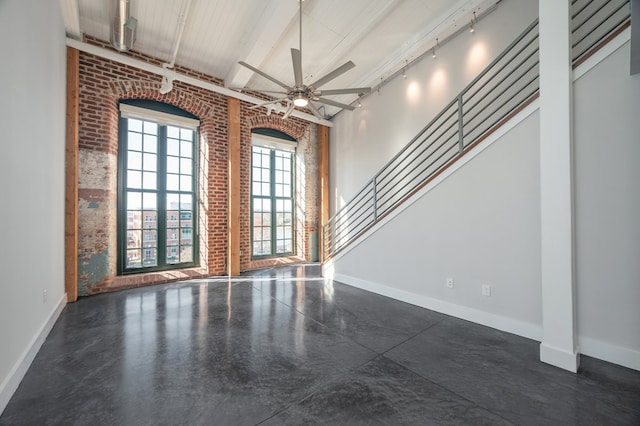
x: 123, y: 27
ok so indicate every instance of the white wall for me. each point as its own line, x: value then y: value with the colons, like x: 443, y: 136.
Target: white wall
x: 32, y: 118
x: 363, y: 141
x: 481, y: 225
x: 607, y: 206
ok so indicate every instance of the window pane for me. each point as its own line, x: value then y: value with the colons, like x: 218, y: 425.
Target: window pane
x: 134, y: 160
x: 150, y: 143
x: 149, y: 180
x: 150, y: 162
x: 172, y: 236
x: 135, y: 125
x: 173, y: 165
x: 134, y: 258
x: 149, y: 257
x: 134, y: 179
x: 172, y: 254
x: 186, y: 201
x: 265, y: 189
x: 134, y: 141
x: 150, y: 201
x: 134, y: 239
x: 149, y: 237
x: 185, y: 166
x: 186, y: 149
x: 173, y: 201
x: 150, y: 128
x: 134, y: 200
x: 173, y: 182
x: 185, y: 235
x: 185, y: 183
x: 186, y: 134
x: 173, y: 147
x: 173, y: 132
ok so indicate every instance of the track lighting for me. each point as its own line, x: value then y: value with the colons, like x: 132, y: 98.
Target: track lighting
x: 472, y: 28
x: 433, y: 49
x: 360, y: 102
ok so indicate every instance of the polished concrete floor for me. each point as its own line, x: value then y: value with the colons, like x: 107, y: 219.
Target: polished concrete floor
x: 283, y: 346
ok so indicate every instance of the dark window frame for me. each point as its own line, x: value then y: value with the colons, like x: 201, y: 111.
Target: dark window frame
x: 162, y: 249
x: 273, y: 198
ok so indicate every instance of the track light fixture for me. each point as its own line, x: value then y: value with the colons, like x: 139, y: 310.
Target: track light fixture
x: 433, y: 49
x: 360, y: 102
x: 472, y: 28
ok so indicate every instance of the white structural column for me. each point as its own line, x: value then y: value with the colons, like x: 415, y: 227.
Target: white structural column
x: 556, y: 185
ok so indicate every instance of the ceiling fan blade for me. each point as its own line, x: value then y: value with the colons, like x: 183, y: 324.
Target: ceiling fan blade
x: 246, y: 89
x: 333, y: 74
x: 315, y: 111
x: 267, y: 76
x: 335, y: 104
x: 296, y: 57
x: 275, y: 101
x: 289, y: 111
x: 357, y: 90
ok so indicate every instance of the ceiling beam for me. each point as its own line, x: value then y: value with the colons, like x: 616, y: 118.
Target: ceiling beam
x: 158, y: 70
x: 274, y: 21
x: 71, y: 13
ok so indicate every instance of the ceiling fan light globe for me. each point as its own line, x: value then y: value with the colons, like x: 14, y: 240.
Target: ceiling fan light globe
x: 300, y: 102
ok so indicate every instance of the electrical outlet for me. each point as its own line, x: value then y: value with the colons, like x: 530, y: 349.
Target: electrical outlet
x: 486, y: 290
x: 449, y: 282
x: 44, y: 296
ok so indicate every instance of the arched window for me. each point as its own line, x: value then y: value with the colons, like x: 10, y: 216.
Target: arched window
x: 157, y: 181
x: 272, y: 194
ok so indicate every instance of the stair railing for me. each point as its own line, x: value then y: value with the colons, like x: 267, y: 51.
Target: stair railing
x: 508, y: 84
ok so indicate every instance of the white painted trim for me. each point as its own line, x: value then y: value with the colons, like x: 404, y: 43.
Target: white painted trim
x: 502, y: 323
x: 610, y: 353
x: 557, y: 357
x: 500, y: 132
x: 132, y: 111
x: 11, y: 383
x: 155, y: 69
x: 602, y: 54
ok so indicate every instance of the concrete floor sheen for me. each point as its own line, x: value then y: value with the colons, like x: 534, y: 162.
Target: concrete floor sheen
x: 284, y: 346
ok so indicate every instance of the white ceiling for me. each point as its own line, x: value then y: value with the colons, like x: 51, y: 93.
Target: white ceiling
x: 380, y: 36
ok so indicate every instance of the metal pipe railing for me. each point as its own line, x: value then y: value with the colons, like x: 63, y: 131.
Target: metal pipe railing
x: 507, y: 83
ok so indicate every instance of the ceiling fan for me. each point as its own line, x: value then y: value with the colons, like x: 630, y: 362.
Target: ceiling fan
x: 302, y: 95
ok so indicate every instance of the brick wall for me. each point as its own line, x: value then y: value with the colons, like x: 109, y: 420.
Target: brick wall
x: 103, y: 84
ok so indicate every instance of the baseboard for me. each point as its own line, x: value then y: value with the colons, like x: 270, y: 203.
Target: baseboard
x: 502, y: 323
x: 611, y: 353
x: 11, y: 383
x: 567, y: 360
